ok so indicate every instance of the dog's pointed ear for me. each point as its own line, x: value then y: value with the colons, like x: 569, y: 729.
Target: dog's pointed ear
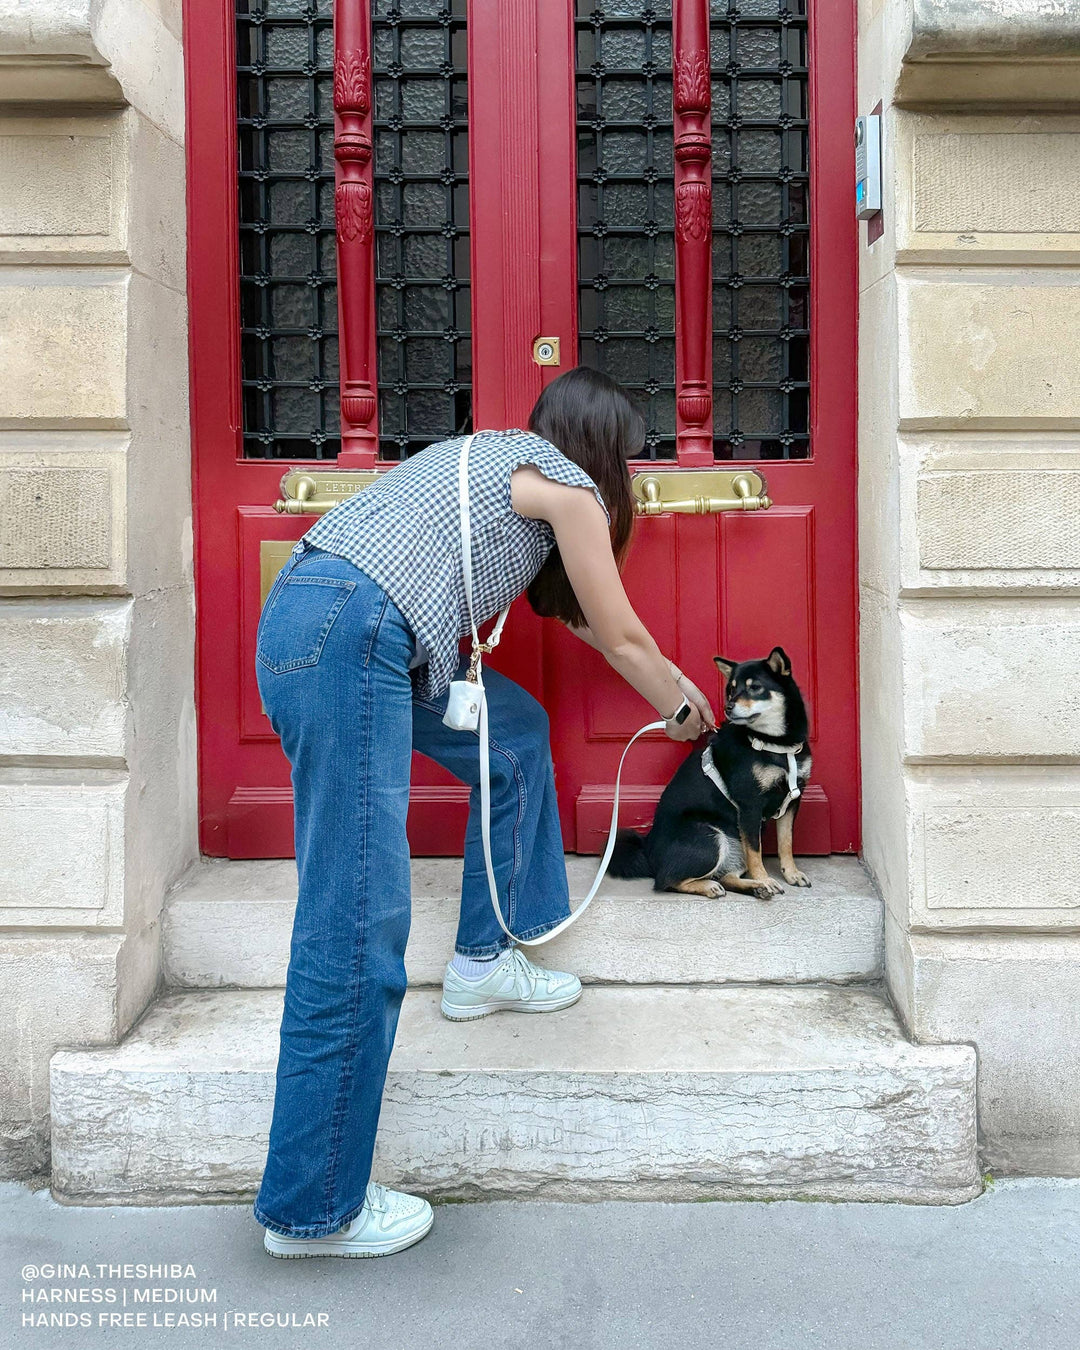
x: 725, y: 666
x: 778, y: 661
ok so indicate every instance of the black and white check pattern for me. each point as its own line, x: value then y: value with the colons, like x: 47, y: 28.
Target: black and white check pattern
x: 404, y: 532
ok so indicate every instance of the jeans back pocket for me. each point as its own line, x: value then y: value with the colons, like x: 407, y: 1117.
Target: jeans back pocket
x: 296, y: 623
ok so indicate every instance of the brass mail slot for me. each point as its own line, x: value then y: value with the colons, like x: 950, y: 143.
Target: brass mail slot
x: 698, y: 492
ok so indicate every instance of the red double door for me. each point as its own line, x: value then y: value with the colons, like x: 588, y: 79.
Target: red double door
x: 734, y: 582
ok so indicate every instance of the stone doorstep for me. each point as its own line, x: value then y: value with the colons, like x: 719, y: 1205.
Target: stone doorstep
x: 227, y: 924
x: 663, y: 1093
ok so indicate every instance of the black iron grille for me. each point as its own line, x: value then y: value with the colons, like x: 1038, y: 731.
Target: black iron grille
x: 626, y: 177
x: 625, y: 224
x: 422, y: 290
x: 288, y: 291
x: 761, y: 230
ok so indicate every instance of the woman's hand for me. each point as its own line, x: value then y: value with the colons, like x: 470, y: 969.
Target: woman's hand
x: 688, y: 730
x: 695, y: 696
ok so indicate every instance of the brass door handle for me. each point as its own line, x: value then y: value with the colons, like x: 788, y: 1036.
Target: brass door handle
x: 313, y: 493
x: 696, y: 492
x: 700, y: 492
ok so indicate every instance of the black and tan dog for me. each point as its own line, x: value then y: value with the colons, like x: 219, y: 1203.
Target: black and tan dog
x: 706, y: 835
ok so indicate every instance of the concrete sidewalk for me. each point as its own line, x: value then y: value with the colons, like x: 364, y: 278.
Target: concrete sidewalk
x: 998, y: 1273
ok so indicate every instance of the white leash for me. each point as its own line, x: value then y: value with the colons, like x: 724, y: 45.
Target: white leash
x: 485, y: 829
x: 467, y: 697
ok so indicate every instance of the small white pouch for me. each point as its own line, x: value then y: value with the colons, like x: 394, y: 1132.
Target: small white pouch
x: 465, y: 696
x: 463, y: 705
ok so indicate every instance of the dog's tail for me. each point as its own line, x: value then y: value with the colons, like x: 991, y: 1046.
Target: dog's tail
x: 630, y: 858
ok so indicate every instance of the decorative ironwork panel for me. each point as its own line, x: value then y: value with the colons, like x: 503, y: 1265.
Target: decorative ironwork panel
x: 626, y: 175
x: 761, y: 229
x: 422, y: 283
x: 288, y: 287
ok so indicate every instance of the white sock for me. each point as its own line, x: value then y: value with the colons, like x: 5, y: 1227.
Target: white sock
x: 475, y: 967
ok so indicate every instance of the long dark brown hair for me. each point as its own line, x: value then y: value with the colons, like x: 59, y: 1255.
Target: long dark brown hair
x: 588, y: 416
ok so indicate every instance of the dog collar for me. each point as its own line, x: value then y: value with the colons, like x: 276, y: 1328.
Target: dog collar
x: 775, y: 749
x: 712, y: 773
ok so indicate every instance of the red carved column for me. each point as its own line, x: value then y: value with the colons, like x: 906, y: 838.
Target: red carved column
x: 353, y: 209
x: 693, y: 235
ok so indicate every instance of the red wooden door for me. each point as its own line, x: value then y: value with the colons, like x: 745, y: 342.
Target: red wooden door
x: 667, y: 194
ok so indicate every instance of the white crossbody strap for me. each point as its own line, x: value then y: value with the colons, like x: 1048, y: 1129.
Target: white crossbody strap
x: 485, y: 762
x: 466, y: 558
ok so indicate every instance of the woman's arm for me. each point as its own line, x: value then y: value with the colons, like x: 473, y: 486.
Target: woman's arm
x: 685, y: 683
x: 581, y: 533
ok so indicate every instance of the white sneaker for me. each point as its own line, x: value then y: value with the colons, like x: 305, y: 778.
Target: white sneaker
x: 514, y: 985
x: 389, y: 1222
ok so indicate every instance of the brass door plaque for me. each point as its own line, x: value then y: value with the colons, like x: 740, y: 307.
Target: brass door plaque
x: 273, y: 555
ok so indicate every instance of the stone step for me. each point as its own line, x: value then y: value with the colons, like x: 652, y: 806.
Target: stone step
x: 665, y: 1093
x: 227, y: 924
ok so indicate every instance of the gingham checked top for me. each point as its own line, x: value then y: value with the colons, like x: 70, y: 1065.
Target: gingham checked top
x: 404, y: 532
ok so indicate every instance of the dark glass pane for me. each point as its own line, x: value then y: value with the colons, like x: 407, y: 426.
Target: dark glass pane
x: 288, y: 305
x: 760, y: 167
x: 422, y: 280
x: 288, y: 290
x: 625, y: 168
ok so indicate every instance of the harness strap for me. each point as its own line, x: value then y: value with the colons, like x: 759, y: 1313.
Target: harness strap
x: 708, y: 767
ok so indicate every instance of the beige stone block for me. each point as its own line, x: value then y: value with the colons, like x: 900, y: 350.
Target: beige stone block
x: 994, y: 847
x: 58, y: 518
x: 981, y: 351
x: 95, y: 51
x: 996, y: 183
x: 63, y: 189
x: 59, y: 990
x: 63, y: 683
x: 984, y: 189
x: 62, y: 348
x: 878, y: 479
x: 77, y: 168
x: 991, y: 680
x: 159, y: 463
x: 1015, y: 998
x: 62, y: 498
x: 157, y: 212
x: 63, y: 848
x: 1033, y: 519
x: 147, y: 58
x: 987, y: 52
x: 987, y: 512
x: 885, y: 827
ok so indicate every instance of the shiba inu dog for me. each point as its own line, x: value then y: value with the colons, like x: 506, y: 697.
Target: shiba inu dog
x: 706, y: 834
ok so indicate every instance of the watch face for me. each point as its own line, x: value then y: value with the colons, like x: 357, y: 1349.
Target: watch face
x: 682, y: 714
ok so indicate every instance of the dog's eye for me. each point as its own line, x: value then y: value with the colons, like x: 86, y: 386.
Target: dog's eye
x: 754, y: 688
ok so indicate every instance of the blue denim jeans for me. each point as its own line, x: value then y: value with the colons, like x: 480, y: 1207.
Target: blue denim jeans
x: 332, y: 660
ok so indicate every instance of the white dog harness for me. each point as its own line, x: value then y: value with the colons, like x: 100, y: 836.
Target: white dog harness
x: 708, y: 767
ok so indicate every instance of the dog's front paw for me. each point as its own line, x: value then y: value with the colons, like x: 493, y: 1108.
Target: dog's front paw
x: 765, y: 890
x: 712, y: 890
x: 794, y: 877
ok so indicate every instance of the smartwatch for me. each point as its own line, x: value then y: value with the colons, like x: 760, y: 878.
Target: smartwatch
x: 681, y: 713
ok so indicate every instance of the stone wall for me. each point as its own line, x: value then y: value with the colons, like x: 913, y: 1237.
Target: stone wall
x: 970, y: 546
x: 97, y: 751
